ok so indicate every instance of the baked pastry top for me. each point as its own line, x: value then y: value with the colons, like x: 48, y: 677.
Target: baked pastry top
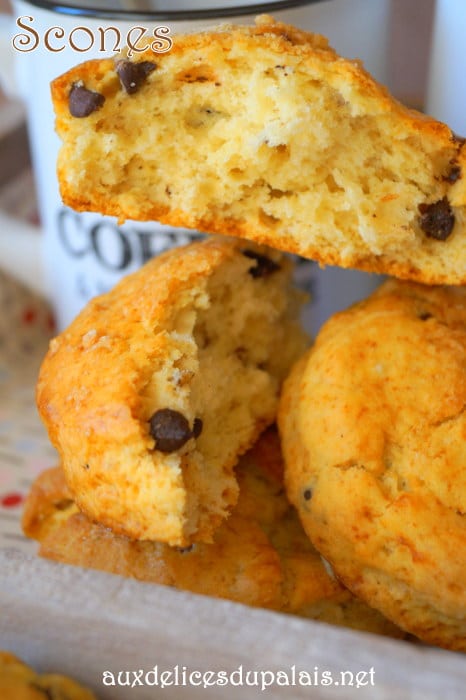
x: 373, y: 427
x: 260, y: 555
x: 264, y: 132
x: 156, y: 388
x: 19, y: 682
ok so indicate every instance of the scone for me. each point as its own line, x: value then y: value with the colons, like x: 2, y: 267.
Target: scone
x: 156, y: 388
x: 373, y: 424
x: 264, y: 132
x: 20, y: 682
x: 260, y: 555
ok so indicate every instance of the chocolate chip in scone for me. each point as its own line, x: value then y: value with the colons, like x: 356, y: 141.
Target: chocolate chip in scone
x: 424, y: 315
x: 264, y: 266
x: 437, y: 219
x: 185, y: 550
x: 307, y: 494
x: 83, y: 102
x: 197, y: 427
x: 170, y: 430
x: 453, y: 174
x: 133, y: 75
x: 63, y: 504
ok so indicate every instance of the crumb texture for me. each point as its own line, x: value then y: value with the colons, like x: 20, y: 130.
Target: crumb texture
x: 192, y: 336
x: 265, y: 132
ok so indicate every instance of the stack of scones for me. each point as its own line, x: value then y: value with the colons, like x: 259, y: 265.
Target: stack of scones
x: 163, y: 397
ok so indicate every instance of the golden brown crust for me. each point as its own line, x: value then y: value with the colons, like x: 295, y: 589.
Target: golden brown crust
x: 260, y: 556
x: 19, y: 682
x: 181, y: 334
x: 373, y: 424
x: 352, y: 199
x: 240, y: 565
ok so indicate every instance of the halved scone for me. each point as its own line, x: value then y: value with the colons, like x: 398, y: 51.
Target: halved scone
x: 156, y: 388
x: 265, y: 132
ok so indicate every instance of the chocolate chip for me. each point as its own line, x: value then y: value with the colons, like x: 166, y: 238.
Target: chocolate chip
x: 424, y: 316
x: 185, y: 550
x: 63, y: 504
x: 453, y: 174
x: 82, y: 102
x: 197, y: 427
x: 437, y: 219
x: 307, y: 494
x: 133, y: 75
x: 170, y: 430
x: 264, y: 266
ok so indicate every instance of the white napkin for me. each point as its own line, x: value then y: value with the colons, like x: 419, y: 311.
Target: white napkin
x: 84, y: 622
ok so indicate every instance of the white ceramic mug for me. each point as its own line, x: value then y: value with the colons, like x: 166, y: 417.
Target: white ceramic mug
x: 86, y: 254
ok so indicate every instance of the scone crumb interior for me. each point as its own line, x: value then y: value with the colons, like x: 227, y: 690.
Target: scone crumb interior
x: 201, y: 337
